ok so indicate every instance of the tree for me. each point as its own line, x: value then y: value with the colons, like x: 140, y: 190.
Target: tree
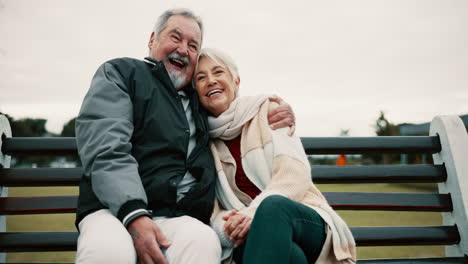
x: 383, y: 127
x: 69, y: 129
x: 27, y: 127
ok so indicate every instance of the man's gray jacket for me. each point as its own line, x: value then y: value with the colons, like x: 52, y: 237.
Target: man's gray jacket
x: 132, y: 137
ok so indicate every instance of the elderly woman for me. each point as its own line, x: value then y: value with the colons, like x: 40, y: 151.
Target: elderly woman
x: 269, y: 209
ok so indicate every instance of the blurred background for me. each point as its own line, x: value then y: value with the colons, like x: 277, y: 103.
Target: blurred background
x: 348, y: 68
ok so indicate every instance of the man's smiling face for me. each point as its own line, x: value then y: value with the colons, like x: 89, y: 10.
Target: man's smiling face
x: 177, y: 46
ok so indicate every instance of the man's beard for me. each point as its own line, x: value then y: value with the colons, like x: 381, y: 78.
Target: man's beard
x: 178, y: 78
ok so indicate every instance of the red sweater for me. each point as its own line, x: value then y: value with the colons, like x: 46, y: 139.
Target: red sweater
x: 242, y: 181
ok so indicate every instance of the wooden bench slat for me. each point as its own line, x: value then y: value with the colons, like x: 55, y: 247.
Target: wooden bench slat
x: 339, y: 201
x: 38, y: 205
x: 40, y: 145
x: 312, y: 145
x: 358, y: 145
x: 38, y: 241
x: 365, y: 236
x: 34, y: 177
x: 389, y: 201
x: 321, y: 174
x: 378, y: 173
x: 456, y: 260
x: 405, y: 235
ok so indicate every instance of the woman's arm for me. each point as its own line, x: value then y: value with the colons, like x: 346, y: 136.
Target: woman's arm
x: 217, y: 223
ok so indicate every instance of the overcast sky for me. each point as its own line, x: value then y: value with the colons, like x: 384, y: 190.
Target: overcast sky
x: 338, y: 63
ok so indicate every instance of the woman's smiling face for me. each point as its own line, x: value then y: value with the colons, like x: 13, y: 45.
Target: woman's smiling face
x: 215, y: 85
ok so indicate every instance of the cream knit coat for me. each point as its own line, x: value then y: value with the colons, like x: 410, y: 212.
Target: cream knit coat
x: 277, y: 164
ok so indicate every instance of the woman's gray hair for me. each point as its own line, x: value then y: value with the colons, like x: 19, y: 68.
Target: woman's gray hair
x: 161, y: 23
x: 220, y: 58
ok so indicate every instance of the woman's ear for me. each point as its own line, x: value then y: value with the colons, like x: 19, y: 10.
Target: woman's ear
x: 237, y: 82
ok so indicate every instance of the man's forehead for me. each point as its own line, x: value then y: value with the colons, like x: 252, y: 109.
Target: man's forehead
x: 185, y: 26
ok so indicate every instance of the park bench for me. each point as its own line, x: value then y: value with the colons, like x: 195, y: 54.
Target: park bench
x: 448, y: 142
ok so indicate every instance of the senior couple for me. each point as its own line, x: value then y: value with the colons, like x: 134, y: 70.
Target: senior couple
x: 178, y: 168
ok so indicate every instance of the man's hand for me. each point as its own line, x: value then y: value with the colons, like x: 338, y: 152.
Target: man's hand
x: 282, y: 115
x: 237, y: 227
x: 147, y: 238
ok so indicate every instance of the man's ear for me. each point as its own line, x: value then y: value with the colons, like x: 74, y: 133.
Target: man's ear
x: 151, y: 40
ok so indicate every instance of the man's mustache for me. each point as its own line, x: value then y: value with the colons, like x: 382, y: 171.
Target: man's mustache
x: 177, y: 56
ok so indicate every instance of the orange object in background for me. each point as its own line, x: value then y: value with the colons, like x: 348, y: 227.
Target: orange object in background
x: 341, y: 161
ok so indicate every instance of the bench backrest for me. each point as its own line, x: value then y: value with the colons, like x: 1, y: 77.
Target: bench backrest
x: 448, y: 143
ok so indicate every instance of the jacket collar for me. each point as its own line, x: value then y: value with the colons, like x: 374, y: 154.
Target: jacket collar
x: 151, y: 61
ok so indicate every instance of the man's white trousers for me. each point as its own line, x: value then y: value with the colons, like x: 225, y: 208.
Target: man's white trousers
x: 103, y: 239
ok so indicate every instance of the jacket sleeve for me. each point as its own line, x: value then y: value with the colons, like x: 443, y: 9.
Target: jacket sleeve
x: 104, y: 129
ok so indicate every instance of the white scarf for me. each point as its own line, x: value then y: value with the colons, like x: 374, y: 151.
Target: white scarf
x: 229, y: 124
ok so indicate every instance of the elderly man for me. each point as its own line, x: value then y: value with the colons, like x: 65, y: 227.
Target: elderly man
x: 148, y: 186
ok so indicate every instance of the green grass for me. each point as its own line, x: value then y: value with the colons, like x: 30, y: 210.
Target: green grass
x: 65, y: 222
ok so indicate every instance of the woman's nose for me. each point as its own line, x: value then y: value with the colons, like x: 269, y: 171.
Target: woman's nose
x: 211, y: 80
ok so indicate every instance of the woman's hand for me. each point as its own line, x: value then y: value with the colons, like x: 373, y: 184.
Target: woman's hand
x: 237, y: 227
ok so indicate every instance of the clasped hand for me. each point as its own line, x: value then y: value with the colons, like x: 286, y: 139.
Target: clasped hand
x: 236, y: 227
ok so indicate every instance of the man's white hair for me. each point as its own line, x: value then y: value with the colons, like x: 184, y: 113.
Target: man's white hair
x: 220, y: 58
x: 161, y: 23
